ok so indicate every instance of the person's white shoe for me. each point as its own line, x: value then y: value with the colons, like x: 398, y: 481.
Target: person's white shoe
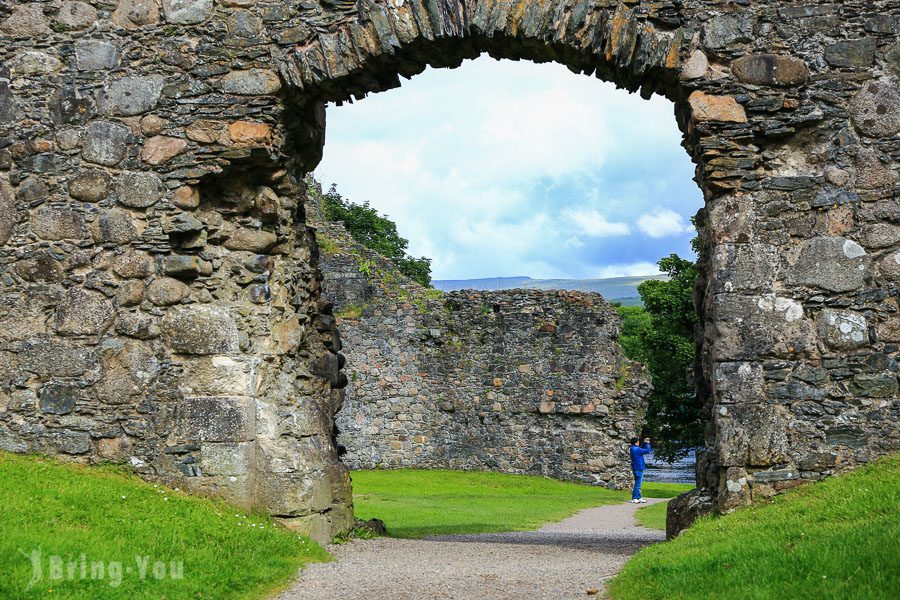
x: 642, y: 501
x: 635, y: 501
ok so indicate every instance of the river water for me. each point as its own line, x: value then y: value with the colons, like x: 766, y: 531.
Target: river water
x: 681, y: 471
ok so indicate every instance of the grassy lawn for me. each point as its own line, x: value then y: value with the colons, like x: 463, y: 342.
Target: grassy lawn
x: 69, y: 511
x: 414, y: 503
x: 839, y: 538
x: 653, y: 516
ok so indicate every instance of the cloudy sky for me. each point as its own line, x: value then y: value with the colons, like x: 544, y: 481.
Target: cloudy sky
x: 502, y: 168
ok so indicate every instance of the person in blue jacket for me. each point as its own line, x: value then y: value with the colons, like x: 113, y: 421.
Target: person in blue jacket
x: 638, y: 466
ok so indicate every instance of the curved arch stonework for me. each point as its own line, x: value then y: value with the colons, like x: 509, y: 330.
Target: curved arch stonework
x: 159, y: 291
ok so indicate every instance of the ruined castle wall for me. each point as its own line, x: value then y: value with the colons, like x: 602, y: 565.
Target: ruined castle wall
x: 516, y: 381
x: 159, y: 287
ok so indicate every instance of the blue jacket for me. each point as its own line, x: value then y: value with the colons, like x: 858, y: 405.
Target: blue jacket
x: 637, y: 456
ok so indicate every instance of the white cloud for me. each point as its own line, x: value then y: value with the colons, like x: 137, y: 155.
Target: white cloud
x: 590, y: 222
x: 629, y: 270
x: 510, y: 168
x: 662, y: 222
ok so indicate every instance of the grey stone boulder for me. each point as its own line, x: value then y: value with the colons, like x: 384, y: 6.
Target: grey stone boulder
x: 133, y: 95
x: 26, y: 20
x: 875, y: 109
x: 165, y: 291
x: 831, y: 263
x: 114, y: 226
x: 73, y: 442
x: 105, y: 143
x: 139, y: 189
x: 200, y: 329
x: 683, y: 510
x: 843, y: 330
x: 76, y: 15
x: 251, y: 240
x: 187, y: 12
x: 133, y: 264
x: 89, y: 186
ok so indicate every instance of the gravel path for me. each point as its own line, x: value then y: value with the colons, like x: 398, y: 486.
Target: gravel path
x: 561, y: 560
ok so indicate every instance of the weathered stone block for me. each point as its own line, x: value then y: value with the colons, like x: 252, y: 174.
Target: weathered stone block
x: 226, y: 458
x: 95, y: 55
x: 252, y: 82
x: 831, y: 263
x: 51, y: 222
x: 7, y: 210
x: 58, y: 398
x: 46, y: 355
x: 200, y: 329
x: 218, y: 376
x: 851, y: 53
x: 725, y: 30
x: 133, y: 264
x: 83, y: 312
x: 706, y: 107
x: 161, y: 148
x: 217, y: 419
x: 33, y: 62
x: 131, y: 95
x: 72, y: 442
x: 770, y: 69
x: 105, y: 143
x: 182, y: 266
x: 187, y: 12
x: 752, y: 434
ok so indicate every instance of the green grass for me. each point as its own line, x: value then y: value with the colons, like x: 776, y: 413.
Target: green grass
x: 109, y: 516
x: 839, y: 538
x: 653, y: 516
x: 414, y: 503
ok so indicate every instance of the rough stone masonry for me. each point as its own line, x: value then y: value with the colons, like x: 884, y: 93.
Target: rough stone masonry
x: 518, y: 381
x: 159, y: 291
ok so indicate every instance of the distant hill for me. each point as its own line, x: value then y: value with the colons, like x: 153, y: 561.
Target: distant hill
x: 614, y: 289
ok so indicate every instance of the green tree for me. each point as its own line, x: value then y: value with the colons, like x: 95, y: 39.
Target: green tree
x: 661, y: 335
x: 376, y: 232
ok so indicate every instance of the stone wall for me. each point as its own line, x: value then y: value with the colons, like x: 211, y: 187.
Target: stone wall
x: 159, y: 287
x: 517, y: 381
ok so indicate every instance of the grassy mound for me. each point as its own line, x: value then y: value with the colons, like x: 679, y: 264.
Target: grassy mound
x: 415, y: 503
x: 839, y: 538
x: 97, y: 532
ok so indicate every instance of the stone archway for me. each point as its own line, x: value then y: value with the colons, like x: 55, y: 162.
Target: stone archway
x: 159, y: 301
